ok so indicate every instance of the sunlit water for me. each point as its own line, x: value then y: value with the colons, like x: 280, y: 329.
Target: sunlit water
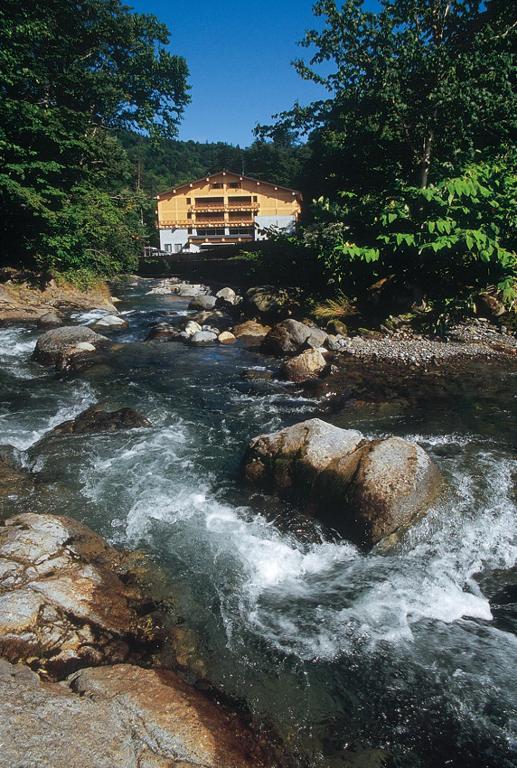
x: 414, y: 652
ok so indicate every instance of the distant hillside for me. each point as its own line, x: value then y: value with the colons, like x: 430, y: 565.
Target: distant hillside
x: 157, y: 166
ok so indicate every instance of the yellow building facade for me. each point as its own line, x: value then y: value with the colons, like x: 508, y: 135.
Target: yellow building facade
x: 223, y: 208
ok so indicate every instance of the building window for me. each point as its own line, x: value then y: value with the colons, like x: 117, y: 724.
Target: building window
x: 249, y: 231
x: 189, y: 201
x: 205, y: 232
x: 177, y: 248
x: 235, y: 185
x: 217, y: 185
x: 168, y: 247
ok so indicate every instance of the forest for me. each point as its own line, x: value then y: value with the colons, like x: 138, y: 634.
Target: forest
x: 407, y: 164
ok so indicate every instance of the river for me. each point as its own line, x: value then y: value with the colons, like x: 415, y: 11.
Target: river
x: 413, y: 653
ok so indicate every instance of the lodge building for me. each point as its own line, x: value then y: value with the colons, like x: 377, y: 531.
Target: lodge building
x: 223, y: 208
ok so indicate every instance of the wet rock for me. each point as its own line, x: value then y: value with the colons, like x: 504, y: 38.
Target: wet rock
x: 97, y: 419
x: 63, y: 604
x: 272, y: 303
x: 291, y: 336
x: 53, y: 344
x: 251, y: 328
x: 221, y: 320
x: 307, y: 365
x: 203, y: 302
x: 14, y: 481
x: 227, y: 296
x: 191, y: 327
x: 294, y: 457
x: 50, y: 320
x: 395, y: 483
x: 337, y: 328
x: 371, y: 491
x: 256, y: 374
x: 166, y: 332
x: 115, y: 717
x: 202, y: 338
x: 226, y: 338
x: 109, y: 323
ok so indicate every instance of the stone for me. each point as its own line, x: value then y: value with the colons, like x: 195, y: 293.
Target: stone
x: 335, y: 343
x: 116, y: 717
x: 221, y: 320
x: 50, y: 320
x: 371, y: 491
x: 226, y: 338
x: 202, y: 338
x: 165, y: 332
x: 395, y: 483
x: 491, y: 305
x: 109, y: 323
x: 290, y: 336
x: 203, y: 302
x: 65, y: 597
x: 337, y: 328
x: 58, y: 341
x: 251, y: 328
x: 191, y: 327
x: 97, y: 419
x: 293, y: 457
x: 256, y: 374
x: 272, y: 303
x: 307, y: 365
x: 227, y: 296
x: 14, y: 481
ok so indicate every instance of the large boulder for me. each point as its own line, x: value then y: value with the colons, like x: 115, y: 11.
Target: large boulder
x: 50, y: 319
x: 116, y: 717
x: 272, y: 303
x: 227, y: 296
x: 65, y: 599
x: 291, y: 336
x: 395, y: 483
x: 371, y: 491
x: 166, y: 332
x: 65, y: 341
x: 97, y: 419
x: 308, y: 365
x: 203, y: 302
x: 215, y: 318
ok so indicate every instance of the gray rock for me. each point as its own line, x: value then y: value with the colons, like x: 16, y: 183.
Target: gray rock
x: 109, y: 323
x: 337, y: 328
x: 165, y: 332
x: 272, y: 303
x: 251, y: 328
x: 50, y: 320
x: 203, y: 337
x: 221, y: 320
x: 191, y: 327
x: 371, y: 491
x: 203, y: 302
x: 290, y: 336
x: 227, y: 295
x: 62, y: 341
x: 395, y: 483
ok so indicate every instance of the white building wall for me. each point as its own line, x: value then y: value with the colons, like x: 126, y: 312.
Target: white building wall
x: 287, y: 223
x: 173, y: 240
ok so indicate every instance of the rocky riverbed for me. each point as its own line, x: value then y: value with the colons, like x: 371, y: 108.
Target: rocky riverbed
x: 149, y: 595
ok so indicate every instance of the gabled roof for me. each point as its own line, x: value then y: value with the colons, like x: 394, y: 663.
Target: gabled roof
x: 225, y: 172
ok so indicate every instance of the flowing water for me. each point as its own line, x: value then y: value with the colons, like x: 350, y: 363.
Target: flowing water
x: 413, y: 653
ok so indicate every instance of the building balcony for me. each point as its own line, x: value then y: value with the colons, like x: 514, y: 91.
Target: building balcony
x: 205, y: 223
x: 210, y: 207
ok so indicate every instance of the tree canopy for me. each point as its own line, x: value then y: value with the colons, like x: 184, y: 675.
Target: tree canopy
x: 72, y: 73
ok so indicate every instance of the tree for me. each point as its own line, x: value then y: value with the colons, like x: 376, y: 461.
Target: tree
x: 72, y: 72
x: 415, y: 89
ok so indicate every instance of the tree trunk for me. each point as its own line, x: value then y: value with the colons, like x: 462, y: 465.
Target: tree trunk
x: 425, y: 163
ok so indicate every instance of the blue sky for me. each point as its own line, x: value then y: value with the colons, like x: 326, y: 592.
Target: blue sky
x: 239, y: 55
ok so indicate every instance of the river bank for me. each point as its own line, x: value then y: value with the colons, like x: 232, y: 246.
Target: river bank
x: 345, y: 656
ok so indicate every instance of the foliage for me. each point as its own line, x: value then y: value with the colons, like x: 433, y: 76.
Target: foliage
x: 457, y: 235
x: 72, y: 72
x: 415, y: 90
x: 334, y: 308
